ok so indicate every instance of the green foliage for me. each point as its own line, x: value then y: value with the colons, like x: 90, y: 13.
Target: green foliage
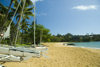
x: 75, y: 38
x: 3, y: 11
x: 41, y: 31
x: 20, y: 45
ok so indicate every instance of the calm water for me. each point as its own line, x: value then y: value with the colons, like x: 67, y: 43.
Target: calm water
x: 88, y: 44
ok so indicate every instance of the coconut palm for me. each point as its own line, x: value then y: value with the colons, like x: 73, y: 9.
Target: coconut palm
x: 11, y: 2
x: 7, y: 13
x: 24, y: 29
x: 25, y: 14
x: 3, y: 11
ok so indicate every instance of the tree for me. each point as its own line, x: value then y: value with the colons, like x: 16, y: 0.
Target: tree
x: 24, y: 12
x: 3, y: 10
x: 39, y: 28
x: 5, y: 21
x: 68, y: 37
x: 24, y: 28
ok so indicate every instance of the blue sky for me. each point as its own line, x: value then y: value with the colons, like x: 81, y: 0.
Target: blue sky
x: 69, y: 16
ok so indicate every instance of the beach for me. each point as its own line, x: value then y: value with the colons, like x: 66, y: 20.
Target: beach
x: 59, y: 55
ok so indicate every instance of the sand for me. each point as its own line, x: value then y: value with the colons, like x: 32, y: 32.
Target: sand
x: 61, y: 56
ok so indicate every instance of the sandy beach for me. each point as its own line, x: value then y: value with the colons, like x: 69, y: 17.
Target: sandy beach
x: 59, y: 55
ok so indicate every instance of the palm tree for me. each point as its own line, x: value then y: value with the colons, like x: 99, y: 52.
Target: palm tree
x: 24, y: 28
x: 7, y: 13
x: 11, y: 2
x: 3, y: 11
x: 2, y: 14
x: 24, y: 12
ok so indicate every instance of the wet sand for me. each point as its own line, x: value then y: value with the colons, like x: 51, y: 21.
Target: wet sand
x: 59, y: 55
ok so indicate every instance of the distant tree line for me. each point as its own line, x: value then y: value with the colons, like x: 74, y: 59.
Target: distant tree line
x: 75, y: 38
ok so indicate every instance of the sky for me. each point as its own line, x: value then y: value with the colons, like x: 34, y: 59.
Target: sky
x: 68, y: 16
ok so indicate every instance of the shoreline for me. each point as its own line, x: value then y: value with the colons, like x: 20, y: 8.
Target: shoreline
x: 81, y: 46
x: 84, y: 47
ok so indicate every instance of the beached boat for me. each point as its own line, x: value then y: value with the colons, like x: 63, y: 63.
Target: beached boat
x: 2, y: 66
x: 9, y: 58
x: 70, y: 44
x: 67, y: 44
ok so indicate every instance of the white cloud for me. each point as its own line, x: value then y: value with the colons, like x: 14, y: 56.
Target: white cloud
x: 83, y: 7
x: 34, y: 1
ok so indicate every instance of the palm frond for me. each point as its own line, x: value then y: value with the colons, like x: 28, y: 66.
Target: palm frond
x: 28, y: 13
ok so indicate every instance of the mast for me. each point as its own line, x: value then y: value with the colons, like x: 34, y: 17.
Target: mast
x: 34, y: 23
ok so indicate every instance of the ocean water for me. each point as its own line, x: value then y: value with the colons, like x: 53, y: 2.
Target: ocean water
x: 95, y: 45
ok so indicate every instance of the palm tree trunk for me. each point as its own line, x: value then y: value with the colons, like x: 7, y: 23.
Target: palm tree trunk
x: 18, y: 26
x: 19, y: 22
x: 22, y: 37
x: 9, y: 7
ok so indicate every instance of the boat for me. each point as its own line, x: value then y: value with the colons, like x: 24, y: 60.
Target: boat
x: 9, y: 58
x: 71, y: 44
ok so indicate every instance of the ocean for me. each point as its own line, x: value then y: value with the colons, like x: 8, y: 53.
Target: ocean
x: 95, y: 45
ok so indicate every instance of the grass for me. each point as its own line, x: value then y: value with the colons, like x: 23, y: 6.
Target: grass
x: 21, y: 45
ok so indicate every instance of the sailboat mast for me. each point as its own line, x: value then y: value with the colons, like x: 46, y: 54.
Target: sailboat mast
x: 34, y: 23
